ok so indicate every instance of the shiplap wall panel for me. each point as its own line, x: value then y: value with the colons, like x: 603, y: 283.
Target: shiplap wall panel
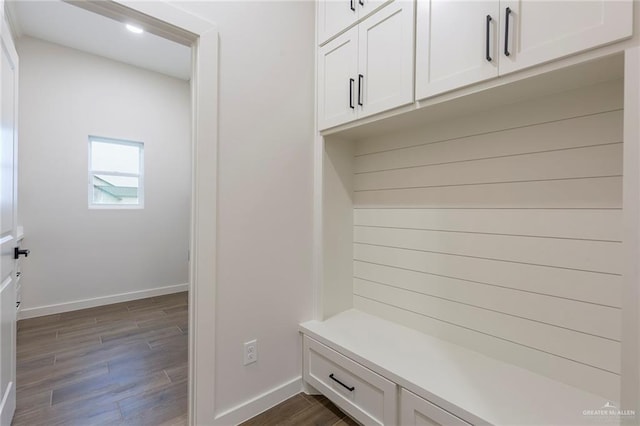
x: 585, y: 317
x: 594, y: 161
x: 593, y: 256
x: 602, y: 353
x: 600, y: 98
x: 599, y: 381
x: 577, y: 132
x: 502, y: 227
x: 603, y: 225
x: 597, y: 193
x: 571, y: 284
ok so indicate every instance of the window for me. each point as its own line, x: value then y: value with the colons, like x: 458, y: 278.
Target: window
x: 116, y: 177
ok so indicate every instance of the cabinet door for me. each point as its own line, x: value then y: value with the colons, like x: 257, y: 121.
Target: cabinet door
x: 415, y: 411
x: 337, y: 80
x: 335, y: 16
x: 367, y: 7
x: 385, y: 59
x: 456, y: 44
x: 540, y: 31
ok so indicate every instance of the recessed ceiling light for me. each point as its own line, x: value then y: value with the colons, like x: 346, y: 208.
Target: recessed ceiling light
x: 134, y: 29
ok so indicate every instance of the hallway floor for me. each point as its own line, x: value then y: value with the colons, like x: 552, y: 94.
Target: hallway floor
x: 124, y: 363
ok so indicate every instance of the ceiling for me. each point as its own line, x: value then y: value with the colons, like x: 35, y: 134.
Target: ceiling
x: 62, y: 23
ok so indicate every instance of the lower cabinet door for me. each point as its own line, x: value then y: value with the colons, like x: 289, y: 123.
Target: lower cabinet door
x: 415, y: 411
x: 364, y: 395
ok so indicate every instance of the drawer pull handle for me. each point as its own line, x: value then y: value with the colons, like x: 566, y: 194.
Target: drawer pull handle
x: 350, y: 389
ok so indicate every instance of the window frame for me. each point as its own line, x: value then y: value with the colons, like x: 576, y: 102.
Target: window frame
x: 139, y: 175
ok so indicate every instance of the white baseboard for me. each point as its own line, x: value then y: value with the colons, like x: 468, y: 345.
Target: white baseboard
x: 259, y: 404
x: 8, y: 404
x: 74, y: 305
x: 310, y: 390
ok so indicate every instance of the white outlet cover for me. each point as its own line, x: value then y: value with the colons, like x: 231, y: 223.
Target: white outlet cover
x: 250, y: 351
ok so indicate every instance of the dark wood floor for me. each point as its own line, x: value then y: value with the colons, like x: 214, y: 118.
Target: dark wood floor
x: 124, y: 364
x: 118, y: 364
x: 302, y: 410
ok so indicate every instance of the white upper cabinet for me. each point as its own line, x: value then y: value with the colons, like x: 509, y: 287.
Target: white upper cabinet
x: 337, y: 80
x: 463, y: 42
x: 369, y: 68
x: 335, y: 16
x: 536, y: 31
x: 367, y: 7
x: 385, y: 59
x: 456, y: 44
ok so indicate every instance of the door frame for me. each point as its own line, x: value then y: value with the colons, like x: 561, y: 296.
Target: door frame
x: 171, y: 22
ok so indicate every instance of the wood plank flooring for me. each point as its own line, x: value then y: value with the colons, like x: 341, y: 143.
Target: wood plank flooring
x: 120, y: 364
x: 302, y: 410
x: 125, y: 364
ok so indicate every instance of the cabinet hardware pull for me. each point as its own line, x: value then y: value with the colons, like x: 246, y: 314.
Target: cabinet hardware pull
x: 506, y: 31
x: 360, y: 80
x: 351, y: 81
x: 350, y: 389
x: 361, y: 2
x: 352, y: 5
x: 489, y: 19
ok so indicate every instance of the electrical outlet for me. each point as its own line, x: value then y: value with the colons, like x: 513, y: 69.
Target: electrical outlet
x: 250, y: 352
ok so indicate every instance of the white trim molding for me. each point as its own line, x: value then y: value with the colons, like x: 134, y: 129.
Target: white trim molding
x: 259, y: 404
x: 74, y: 305
x: 174, y: 23
x: 9, y: 400
x: 630, y: 374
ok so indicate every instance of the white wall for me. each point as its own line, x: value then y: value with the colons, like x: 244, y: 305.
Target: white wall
x: 265, y: 190
x: 82, y: 253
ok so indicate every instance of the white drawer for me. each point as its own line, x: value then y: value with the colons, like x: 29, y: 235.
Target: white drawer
x: 415, y: 411
x: 366, y: 396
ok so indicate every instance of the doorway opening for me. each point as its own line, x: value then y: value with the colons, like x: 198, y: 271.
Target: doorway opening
x: 201, y: 38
